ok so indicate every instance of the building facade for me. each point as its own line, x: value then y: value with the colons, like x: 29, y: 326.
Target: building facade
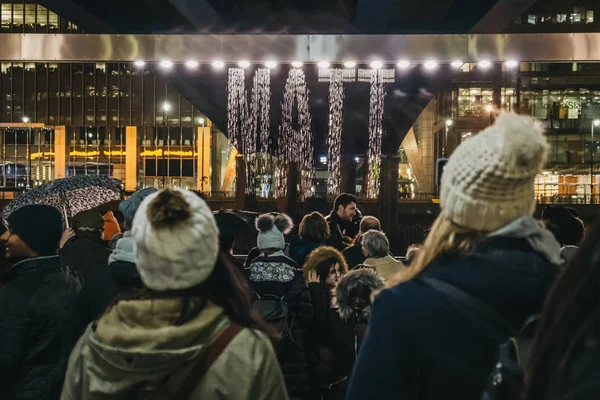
x: 118, y: 119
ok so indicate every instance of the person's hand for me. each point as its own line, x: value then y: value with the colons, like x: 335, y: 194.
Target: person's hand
x: 313, y: 277
x: 67, y: 234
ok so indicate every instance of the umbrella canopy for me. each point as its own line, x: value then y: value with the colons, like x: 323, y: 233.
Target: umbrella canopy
x: 231, y: 223
x: 70, y: 195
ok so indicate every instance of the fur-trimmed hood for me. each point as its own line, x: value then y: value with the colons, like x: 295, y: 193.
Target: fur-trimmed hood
x: 321, y: 254
x: 341, y: 295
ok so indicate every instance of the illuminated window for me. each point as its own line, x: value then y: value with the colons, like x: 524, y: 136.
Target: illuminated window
x: 589, y: 17
x: 30, y: 14
x: 52, y: 22
x: 17, y: 14
x: 578, y: 14
x: 561, y: 18
x: 6, y: 16
x: 42, y: 16
x: 532, y: 19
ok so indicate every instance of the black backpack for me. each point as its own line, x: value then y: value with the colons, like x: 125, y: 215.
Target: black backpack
x: 274, y: 311
x: 505, y: 381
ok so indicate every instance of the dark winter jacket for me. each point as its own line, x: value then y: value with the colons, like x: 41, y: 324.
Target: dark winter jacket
x: 342, y: 329
x: 85, y: 253
x: 354, y: 256
x: 36, y: 299
x: 102, y: 287
x: 336, y: 228
x: 420, y: 347
x: 300, y: 249
x: 280, y: 276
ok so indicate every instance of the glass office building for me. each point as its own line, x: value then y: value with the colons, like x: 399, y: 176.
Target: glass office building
x: 101, y: 118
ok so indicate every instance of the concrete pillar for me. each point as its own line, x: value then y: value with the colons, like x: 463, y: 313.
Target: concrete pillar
x: 131, y: 158
x: 348, y: 171
x: 203, y: 162
x: 388, y: 196
x: 60, y: 151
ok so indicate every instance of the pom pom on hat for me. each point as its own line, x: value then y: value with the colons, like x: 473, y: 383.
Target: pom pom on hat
x: 176, y: 240
x: 271, y: 230
x: 489, y: 180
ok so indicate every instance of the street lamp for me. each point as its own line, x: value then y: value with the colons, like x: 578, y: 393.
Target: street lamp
x: 202, y: 121
x: 449, y: 123
x: 29, y: 182
x: 595, y: 122
x: 166, y: 106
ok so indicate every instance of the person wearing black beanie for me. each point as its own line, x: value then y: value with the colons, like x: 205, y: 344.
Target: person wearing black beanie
x: 37, y: 295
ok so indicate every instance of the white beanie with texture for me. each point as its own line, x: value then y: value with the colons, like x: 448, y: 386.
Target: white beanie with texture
x: 489, y: 180
x: 176, y: 240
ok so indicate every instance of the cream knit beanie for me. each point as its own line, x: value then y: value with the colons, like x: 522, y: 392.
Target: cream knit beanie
x: 176, y: 240
x: 489, y: 180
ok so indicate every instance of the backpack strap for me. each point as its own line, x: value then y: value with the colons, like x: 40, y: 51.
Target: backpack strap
x: 206, y: 361
x: 464, y: 301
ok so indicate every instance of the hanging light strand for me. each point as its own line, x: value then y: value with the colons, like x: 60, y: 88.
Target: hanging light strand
x: 376, y: 106
x: 295, y: 141
x: 334, y: 138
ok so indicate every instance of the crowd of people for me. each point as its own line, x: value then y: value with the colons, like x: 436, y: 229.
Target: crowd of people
x: 157, y: 307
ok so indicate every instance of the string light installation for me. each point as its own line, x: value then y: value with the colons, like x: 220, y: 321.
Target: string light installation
x: 237, y: 111
x: 376, y: 105
x: 295, y: 143
x: 247, y: 123
x: 260, y: 123
x: 334, y: 138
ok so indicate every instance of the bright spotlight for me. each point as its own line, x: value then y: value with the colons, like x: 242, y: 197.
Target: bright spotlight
x: 404, y: 64
x: 597, y: 122
x: 485, y: 64
x: 489, y: 108
x: 166, y: 64
x: 297, y: 64
x: 270, y: 64
x: 512, y: 64
x: 457, y: 64
x: 139, y: 63
x: 323, y: 64
x: 350, y: 64
x: 201, y: 121
x: 244, y: 64
x: 430, y: 65
x: 166, y: 106
x: 26, y: 120
x: 192, y: 64
x: 218, y: 64
x: 449, y: 122
x: 377, y: 64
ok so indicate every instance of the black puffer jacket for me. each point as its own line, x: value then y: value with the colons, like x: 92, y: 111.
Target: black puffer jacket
x: 342, y: 327
x: 36, y: 299
x: 85, y: 253
x: 280, y: 276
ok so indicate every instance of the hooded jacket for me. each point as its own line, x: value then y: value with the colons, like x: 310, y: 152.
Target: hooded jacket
x: 337, y: 327
x: 419, y: 346
x: 36, y: 299
x: 85, y: 253
x: 136, y: 341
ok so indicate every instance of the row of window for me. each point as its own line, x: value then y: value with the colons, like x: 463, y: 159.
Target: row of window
x: 579, y: 15
x: 17, y: 16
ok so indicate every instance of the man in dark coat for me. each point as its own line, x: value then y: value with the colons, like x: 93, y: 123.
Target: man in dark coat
x: 85, y: 251
x: 36, y: 297
x: 344, y: 209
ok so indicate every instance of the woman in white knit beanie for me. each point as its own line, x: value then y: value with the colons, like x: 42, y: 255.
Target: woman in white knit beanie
x: 484, y: 244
